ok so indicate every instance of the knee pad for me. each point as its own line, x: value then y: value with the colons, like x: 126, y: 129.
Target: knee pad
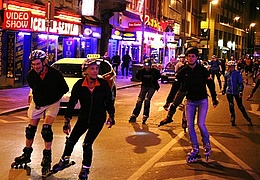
x: 47, y: 133
x: 30, y: 131
x: 87, y: 147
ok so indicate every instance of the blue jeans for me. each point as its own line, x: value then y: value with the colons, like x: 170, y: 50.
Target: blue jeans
x: 191, y: 107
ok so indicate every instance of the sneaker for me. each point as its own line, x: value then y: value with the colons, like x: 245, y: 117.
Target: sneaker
x: 132, y: 118
x: 63, y: 163
x: 165, y: 121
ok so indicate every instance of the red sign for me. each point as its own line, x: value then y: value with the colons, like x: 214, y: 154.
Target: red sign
x: 134, y: 24
x: 17, y: 20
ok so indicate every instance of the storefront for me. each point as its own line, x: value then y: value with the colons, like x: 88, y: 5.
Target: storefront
x: 25, y: 29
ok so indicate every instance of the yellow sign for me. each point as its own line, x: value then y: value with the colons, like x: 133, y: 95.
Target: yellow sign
x: 95, y: 56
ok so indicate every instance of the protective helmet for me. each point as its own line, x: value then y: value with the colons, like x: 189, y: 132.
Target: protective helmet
x: 88, y: 62
x: 147, y: 62
x: 214, y: 56
x: 182, y: 56
x: 231, y: 63
x: 37, y: 54
x: 192, y: 50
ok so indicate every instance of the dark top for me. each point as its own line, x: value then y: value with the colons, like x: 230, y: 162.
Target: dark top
x: 126, y: 60
x: 149, y: 78
x: 194, y: 81
x: 48, y: 90
x: 116, y: 60
x: 93, y: 105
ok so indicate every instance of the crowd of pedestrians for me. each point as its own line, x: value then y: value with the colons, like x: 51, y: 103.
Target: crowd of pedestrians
x: 193, y: 81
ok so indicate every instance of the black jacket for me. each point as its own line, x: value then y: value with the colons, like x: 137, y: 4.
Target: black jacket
x: 93, y: 105
x: 194, y: 82
x: 50, y: 89
x: 149, y: 78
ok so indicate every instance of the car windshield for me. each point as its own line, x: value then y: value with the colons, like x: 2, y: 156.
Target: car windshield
x: 69, y: 70
x: 74, y: 70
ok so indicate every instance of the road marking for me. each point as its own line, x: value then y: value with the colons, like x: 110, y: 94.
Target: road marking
x: 254, y: 108
x: 150, y: 163
x: 241, y: 163
x: 23, y: 119
x: 202, y: 176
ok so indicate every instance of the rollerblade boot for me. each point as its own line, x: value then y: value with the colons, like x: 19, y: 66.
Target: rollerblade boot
x: 21, y: 161
x: 46, y: 162
x: 132, y: 118
x: 165, y: 121
x: 62, y: 164
x: 193, y: 156
x: 207, y: 150
x: 83, y: 175
x: 144, y: 119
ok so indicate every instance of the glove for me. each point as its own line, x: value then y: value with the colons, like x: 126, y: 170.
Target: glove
x: 215, y: 103
x: 223, y: 92
x: 67, y: 127
x: 166, y: 106
x: 110, y: 122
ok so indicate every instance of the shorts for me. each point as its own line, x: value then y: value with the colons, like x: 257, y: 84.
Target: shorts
x: 48, y: 110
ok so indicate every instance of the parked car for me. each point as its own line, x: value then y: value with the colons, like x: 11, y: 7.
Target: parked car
x: 168, y: 73
x: 71, y: 70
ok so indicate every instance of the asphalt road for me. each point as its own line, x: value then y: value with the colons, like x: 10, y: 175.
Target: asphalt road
x: 131, y: 151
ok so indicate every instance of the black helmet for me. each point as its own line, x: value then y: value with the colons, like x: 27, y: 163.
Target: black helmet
x: 147, y: 62
x: 37, y: 54
x: 192, y: 50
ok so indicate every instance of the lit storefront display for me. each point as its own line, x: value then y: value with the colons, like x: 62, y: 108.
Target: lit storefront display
x: 25, y: 28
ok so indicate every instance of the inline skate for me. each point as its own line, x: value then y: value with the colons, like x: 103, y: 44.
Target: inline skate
x: 165, y: 121
x: 83, y: 175
x: 193, y: 156
x: 46, y: 163
x: 23, y: 160
x: 144, y: 120
x: 62, y: 164
x: 207, y: 150
x: 132, y: 118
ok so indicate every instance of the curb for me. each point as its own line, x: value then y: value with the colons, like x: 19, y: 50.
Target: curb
x: 9, y: 111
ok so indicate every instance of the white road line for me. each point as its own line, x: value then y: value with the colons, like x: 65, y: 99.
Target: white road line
x: 241, y: 163
x: 150, y: 163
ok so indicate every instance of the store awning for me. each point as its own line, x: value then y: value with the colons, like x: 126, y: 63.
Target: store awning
x: 91, y: 20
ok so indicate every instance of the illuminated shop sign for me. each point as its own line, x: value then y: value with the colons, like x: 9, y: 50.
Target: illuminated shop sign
x: 17, y: 20
x: 24, y: 20
x: 149, y: 21
x: 92, y: 31
x: 128, y: 36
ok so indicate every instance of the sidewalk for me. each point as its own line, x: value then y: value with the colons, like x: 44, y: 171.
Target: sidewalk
x: 16, y: 99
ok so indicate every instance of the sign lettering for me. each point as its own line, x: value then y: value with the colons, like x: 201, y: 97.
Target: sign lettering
x: 16, y: 19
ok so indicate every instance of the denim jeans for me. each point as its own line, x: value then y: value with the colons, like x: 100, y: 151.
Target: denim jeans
x: 145, y: 95
x: 202, y: 107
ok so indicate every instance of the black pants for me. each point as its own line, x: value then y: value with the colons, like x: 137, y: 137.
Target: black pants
x: 123, y: 68
x: 79, y: 129
x: 145, y: 95
x: 217, y: 73
x: 230, y: 98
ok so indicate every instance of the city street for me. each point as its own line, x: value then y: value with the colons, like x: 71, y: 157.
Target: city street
x: 131, y: 151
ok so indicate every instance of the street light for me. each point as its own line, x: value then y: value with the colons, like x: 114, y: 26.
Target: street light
x: 236, y: 18
x: 209, y: 17
x: 251, y: 38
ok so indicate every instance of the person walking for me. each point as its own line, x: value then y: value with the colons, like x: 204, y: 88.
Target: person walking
x: 116, y: 62
x: 125, y: 64
x: 233, y: 88
x: 106, y: 57
x: 149, y: 77
x: 248, y: 67
x: 48, y: 86
x: 194, y: 80
x: 95, y: 97
x: 215, y: 69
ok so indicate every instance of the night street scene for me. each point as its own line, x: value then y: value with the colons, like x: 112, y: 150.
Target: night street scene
x: 130, y: 89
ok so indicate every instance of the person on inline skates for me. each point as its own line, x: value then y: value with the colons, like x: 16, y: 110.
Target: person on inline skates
x: 95, y: 97
x: 256, y: 85
x: 193, y: 80
x: 216, y: 69
x: 149, y: 77
x: 233, y: 88
x: 48, y: 86
x: 174, y: 101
